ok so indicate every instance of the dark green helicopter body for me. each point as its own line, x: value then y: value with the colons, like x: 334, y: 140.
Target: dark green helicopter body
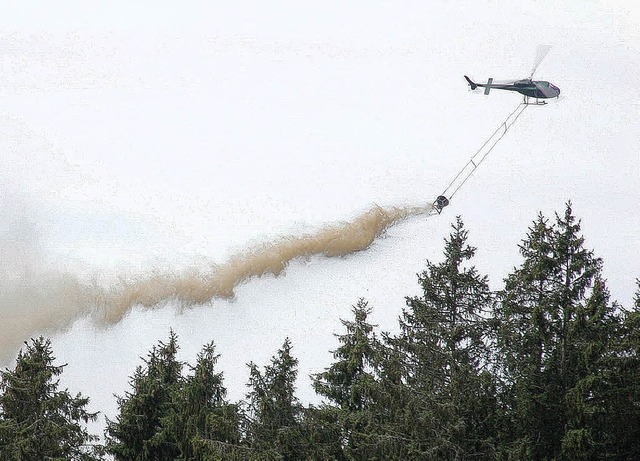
x: 527, y: 87
x: 533, y: 89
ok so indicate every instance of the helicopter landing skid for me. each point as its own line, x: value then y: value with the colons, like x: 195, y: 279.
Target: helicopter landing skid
x: 537, y: 103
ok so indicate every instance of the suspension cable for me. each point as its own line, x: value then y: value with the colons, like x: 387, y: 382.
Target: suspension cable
x: 476, y: 159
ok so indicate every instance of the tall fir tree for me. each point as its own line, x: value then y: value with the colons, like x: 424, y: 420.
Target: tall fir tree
x: 556, y: 325
x: 200, y: 414
x: 274, y: 429
x: 350, y: 386
x: 525, y: 343
x: 443, y: 349
x: 136, y: 433
x: 348, y: 380
x: 622, y: 424
x: 591, y: 397
x: 37, y: 420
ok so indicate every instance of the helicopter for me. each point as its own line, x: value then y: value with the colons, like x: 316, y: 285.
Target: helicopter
x: 538, y: 89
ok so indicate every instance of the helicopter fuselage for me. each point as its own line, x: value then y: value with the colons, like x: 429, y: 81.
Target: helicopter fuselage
x: 528, y: 88
x: 539, y: 89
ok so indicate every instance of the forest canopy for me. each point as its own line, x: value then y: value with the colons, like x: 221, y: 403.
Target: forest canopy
x: 547, y: 368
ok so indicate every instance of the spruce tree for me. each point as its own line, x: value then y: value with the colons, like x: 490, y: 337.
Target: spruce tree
x: 591, y: 398
x: 555, y: 339
x: 274, y: 430
x: 443, y: 349
x: 136, y: 433
x: 347, y: 381
x: 350, y: 385
x: 200, y: 414
x: 322, y: 433
x: 37, y: 420
x: 222, y: 438
x: 623, y: 416
x: 525, y: 344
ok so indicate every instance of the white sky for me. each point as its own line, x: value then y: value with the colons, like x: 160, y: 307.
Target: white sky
x: 139, y: 136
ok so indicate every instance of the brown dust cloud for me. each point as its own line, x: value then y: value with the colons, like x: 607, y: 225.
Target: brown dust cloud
x: 34, y: 301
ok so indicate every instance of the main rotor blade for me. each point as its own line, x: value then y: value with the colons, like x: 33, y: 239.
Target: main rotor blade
x: 540, y: 55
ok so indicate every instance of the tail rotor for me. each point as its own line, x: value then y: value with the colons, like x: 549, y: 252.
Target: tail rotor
x: 471, y: 84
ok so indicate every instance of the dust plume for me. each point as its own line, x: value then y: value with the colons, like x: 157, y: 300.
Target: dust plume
x: 50, y: 302
x: 32, y: 299
x: 270, y: 258
x: 38, y: 304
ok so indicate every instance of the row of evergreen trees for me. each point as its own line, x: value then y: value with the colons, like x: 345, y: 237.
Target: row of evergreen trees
x: 546, y: 369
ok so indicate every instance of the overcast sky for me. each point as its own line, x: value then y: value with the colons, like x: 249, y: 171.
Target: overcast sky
x: 147, y: 136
